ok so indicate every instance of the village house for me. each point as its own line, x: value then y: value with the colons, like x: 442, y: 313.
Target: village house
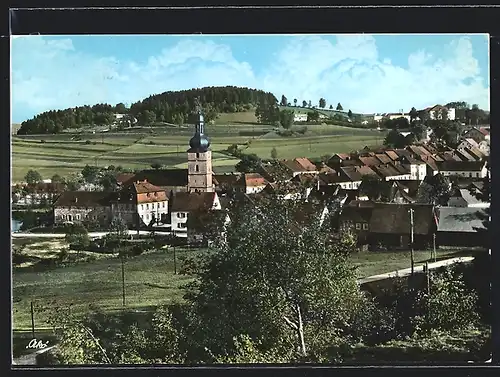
x: 250, y: 183
x: 393, y: 171
x: 225, y: 183
x: 81, y: 206
x: 185, y: 204
x: 477, y: 134
x: 461, y: 197
x: 355, y: 217
x: 458, y: 226
x: 466, y: 169
x: 390, y: 225
x: 299, y: 117
x: 417, y: 168
x: 299, y: 166
x: 436, y: 112
x: 141, y: 203
x: 39, y: 193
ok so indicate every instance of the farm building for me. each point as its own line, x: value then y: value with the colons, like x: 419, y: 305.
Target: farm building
x: 458, y: 226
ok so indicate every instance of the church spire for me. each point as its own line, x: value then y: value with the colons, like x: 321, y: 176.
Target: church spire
x: 199, y: 141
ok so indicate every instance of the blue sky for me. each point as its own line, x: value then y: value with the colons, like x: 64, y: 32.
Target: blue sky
x: 365, y: 73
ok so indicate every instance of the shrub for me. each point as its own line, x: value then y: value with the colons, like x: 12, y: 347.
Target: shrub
x: 87, y: 141
x: 43, y: 141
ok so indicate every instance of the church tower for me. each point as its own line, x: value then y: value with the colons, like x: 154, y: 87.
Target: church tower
x: 200, y: 159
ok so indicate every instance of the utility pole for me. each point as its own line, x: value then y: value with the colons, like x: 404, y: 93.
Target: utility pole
x: 32, y: 321
x: 123, y: 279
x: 411, y: 241
x: 427, y: 272
x: 434, y: 246
x: 175, y: 262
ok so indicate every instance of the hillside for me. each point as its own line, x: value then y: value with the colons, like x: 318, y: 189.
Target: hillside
x: 171, y: 107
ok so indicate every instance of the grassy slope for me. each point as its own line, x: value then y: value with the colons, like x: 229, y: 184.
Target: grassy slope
x: 59, y: 154
x: 149, y: 281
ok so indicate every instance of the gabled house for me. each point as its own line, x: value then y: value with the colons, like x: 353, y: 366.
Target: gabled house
x: 355, y: 217
x: 452, y: 156
x: 355, y: 175
x: 467, y: 169
x: 338, y: 159
x: 458, y: 226
x: 185, y: 204
x: 140, y: 203
x: 251, y: 183
x: 463, y: 198
x: 390, y: 225
x: 299, y: 166
x: 169, y: 180
x: 81, y: 206
x: 392, y: 154
x: 468, y: 143
x: 476, y: 134
x: 393, y: 171
x: 464, y: 155
x: 417, y: 168
x: 370, y: 161
x: 225, y: 183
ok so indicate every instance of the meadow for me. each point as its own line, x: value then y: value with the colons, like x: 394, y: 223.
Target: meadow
x: 68, y: 153
x: 149, y: 279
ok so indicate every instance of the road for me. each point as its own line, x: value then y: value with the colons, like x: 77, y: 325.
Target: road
x: 91, y: 234
x: 418, y: 269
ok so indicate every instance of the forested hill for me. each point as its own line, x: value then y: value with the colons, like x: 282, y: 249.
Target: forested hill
x: 172, y: 107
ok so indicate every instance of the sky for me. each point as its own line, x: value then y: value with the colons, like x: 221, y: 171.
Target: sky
x: 365, y: 73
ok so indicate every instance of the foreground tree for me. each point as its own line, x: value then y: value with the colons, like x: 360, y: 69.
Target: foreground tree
x: 280, y: 283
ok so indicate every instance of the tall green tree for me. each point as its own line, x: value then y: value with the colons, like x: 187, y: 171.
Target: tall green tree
x: 284, y: 100
x: 435, y: 189
x: 331, y: 107
x: 280, y: 283
x: 309, y: 103
x: 394, y: 139
x: 413, y: 114
x: 90, y: 173
x: 304, y: 103
x: 32, y: 177
x: 295, y: 101
x: 286, y: 118
x: 274, y: 153
x: 375, y: 188
x: 322, y: 103
x: 339, y: 107
x: 249, y: 163
x: 349, y: 114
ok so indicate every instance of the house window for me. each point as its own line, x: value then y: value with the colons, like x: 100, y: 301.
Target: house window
x: 77, y: 217
x: 152, y: 205
x: 182, y: 225
x: 163, y: 204
x: 470, y: 174
x: 365, y: 226
x: 142, y: 206
x: 147, y: 206
x: 197, y: 155
x: 358, y: 226
x: 196, y: 168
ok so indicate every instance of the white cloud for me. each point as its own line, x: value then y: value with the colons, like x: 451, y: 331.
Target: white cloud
x: 50, y: 73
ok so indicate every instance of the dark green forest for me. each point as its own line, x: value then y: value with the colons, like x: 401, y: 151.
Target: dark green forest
x: 170, y: 107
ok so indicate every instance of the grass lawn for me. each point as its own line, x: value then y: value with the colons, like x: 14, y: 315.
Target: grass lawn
x: 149, y: 281
x: 374, y: 263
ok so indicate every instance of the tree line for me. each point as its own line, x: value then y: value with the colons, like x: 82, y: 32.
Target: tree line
x: 170, y: 107
x: 321, y: 103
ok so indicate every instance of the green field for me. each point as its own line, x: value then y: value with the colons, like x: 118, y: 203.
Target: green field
x: 138, y: 149
x: 149, y: 281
